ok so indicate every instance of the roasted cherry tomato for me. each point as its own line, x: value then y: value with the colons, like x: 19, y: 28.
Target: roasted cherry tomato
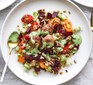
x: 27, y: 19
x: 27, y: 36
x: 35, y: 23
x: 34, y: 26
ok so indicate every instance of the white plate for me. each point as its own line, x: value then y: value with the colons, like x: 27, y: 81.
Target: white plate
x: 77, y: 18
x: 88, y: 3
x: 5, y: 3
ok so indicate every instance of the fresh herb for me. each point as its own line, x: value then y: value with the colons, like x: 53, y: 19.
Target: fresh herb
x: 13, y: 37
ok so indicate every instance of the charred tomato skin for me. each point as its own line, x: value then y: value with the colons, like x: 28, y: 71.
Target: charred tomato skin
x: 27, y: 19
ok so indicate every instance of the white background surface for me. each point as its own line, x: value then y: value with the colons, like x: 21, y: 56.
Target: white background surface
x: 85, y: 77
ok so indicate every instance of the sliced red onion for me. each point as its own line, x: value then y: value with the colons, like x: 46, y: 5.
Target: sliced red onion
x: 55, y: 14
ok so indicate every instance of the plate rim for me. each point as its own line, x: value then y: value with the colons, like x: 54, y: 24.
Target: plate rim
x: 7, y: 5
x: 31, y: 0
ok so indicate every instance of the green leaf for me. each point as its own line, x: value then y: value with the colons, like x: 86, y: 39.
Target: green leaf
x: 13, y: 37
x: 44, y: 44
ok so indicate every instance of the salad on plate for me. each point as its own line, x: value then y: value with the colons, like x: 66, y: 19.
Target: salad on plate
x: 45, y: 41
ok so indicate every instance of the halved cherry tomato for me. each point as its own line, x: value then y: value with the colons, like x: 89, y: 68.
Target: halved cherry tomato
x: 27, y: 19
x: 34, y: 25
x: 27, y: 36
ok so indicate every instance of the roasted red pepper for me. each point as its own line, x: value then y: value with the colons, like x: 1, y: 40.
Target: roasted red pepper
x: 65, y: 49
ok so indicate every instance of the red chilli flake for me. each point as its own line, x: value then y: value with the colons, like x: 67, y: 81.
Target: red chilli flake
x: 65, y: 49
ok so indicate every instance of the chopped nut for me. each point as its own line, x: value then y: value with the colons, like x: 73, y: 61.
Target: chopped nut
x: 33, y: 63
x: 69, y: 12
x: 64, y: 11
x: 75, y: 61
x: 66, y: 71
x: 61, y: 73
x: 18, y: 26
x: 68, y: 38
x: 41, y: 57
